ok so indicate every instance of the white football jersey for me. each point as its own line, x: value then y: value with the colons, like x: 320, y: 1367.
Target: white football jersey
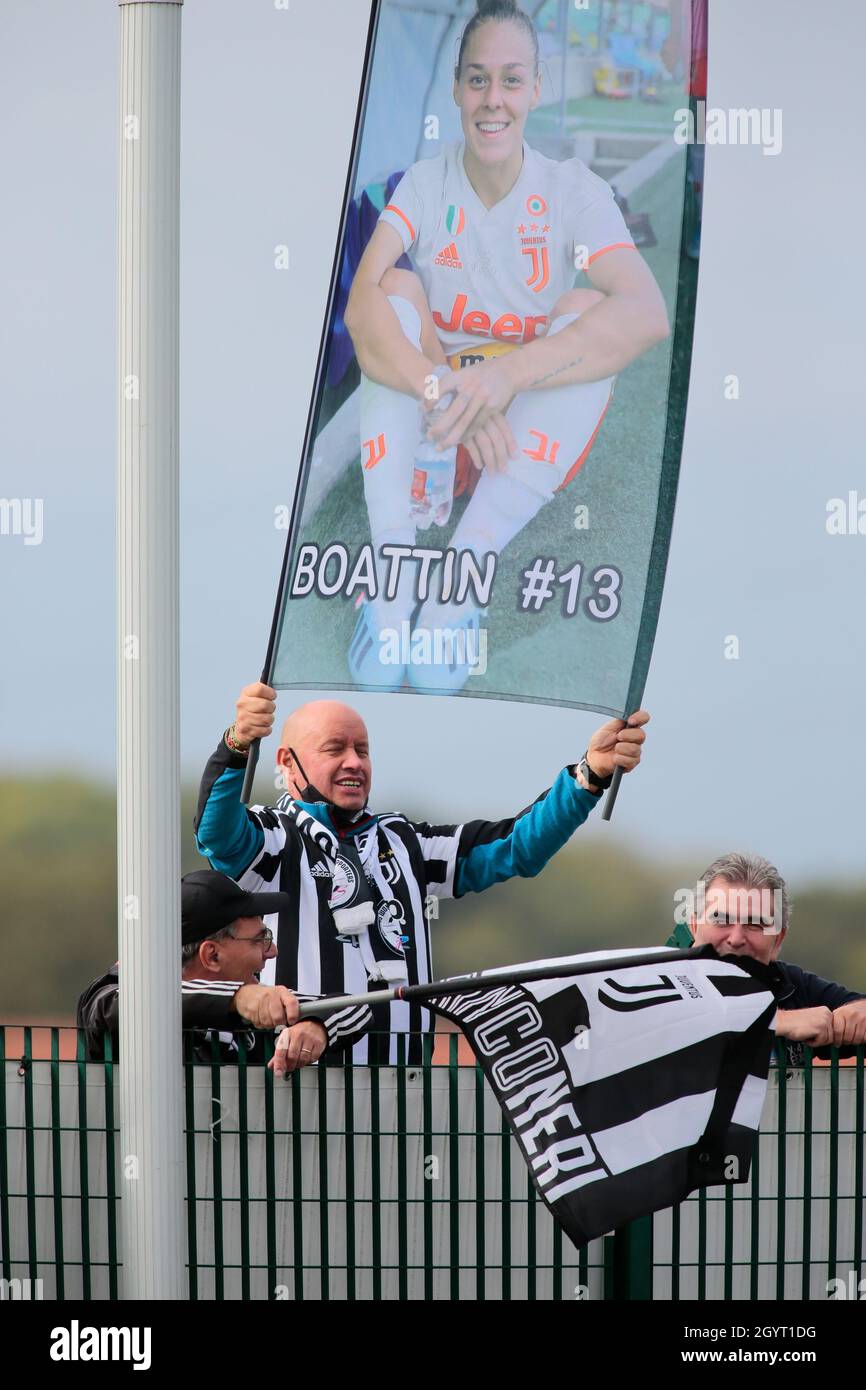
x: 495, y: 273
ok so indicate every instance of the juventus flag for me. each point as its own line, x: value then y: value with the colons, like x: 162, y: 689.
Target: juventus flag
x: 628, y: 1088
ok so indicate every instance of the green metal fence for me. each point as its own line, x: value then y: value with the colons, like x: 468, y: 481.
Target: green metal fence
x: 402, y: 1182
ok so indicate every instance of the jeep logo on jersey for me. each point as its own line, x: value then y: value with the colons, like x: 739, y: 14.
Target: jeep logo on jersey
x: 344, y: 884
x: 508, y: 327
x: 454, y: 219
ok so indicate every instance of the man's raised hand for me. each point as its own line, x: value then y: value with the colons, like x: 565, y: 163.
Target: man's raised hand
x: 256, y: 709
x: 617, y: 744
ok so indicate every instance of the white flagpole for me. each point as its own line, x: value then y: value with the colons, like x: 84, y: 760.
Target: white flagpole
x: 148, y: 758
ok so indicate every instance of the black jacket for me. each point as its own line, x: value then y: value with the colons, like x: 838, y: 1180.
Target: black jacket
x: 800, y: 989
x: 207, y: 1015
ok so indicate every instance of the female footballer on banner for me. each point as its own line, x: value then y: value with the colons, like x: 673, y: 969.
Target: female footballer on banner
x: 496, y: 233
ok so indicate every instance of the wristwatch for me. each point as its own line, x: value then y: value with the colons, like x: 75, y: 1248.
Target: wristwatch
x: 592, y: 778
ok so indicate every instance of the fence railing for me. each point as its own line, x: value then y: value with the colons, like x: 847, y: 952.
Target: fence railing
x: 402, y: 1182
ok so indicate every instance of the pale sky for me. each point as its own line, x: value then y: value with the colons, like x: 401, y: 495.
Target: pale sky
x: 763, y: 753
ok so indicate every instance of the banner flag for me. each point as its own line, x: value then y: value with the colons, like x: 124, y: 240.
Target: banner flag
x: 489, y: 473
x: 629, y: 1088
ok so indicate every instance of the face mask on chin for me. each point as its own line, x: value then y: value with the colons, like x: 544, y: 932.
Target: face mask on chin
x: 310, y: 793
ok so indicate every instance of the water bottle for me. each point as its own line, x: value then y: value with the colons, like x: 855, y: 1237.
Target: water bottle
x: 433, y: 478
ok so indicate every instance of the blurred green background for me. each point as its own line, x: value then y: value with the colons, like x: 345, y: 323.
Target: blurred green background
x: 57, y: 890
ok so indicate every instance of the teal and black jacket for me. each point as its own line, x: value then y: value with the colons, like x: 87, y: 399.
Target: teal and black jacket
x: 419, y: 863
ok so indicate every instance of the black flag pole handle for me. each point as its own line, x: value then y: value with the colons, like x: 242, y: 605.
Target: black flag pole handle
x: 250, y: 774
x: 610, y: 799
x: 253, y: 754
x: 613, y: 789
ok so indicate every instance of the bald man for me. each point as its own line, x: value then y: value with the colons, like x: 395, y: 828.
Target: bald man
x: 363, y: 886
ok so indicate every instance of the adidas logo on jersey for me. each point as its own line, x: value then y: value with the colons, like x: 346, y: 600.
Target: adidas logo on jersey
x: 448, y: 257
x: 320, y: 871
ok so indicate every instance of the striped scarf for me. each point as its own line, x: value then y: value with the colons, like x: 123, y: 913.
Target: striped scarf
x: 359, y: 897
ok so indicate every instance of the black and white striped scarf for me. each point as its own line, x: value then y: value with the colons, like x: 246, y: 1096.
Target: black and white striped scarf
x: 359, y: 896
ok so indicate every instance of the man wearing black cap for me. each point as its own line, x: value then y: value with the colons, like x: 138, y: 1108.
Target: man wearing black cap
x: 224, y: 947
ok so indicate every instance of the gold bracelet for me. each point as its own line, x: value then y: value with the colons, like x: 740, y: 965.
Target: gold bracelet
x: 232, y: 744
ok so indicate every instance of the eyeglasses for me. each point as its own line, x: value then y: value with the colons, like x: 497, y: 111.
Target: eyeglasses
x: 263, y: 938
x: 750, y: 926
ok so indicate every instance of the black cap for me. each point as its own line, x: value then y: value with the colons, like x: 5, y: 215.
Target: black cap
x: 210, y: 901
